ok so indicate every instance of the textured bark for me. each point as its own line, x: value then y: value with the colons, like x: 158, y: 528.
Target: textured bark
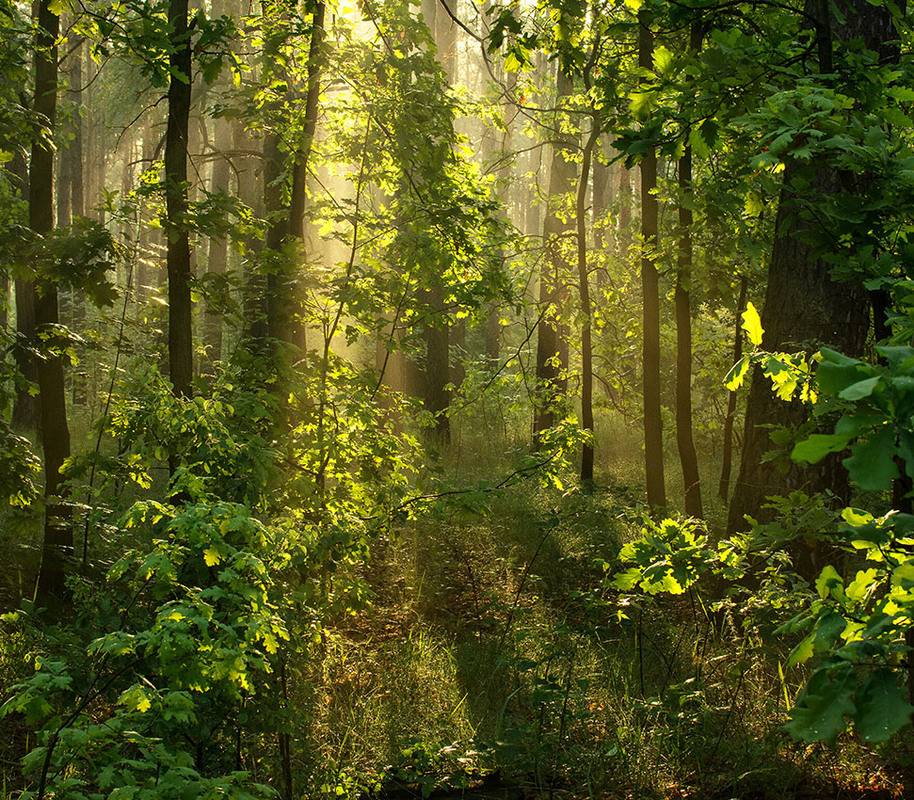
x: 180, y: 325
x: 650, y: 295
x: 551, y: 332
x: 437, y: 372
x: 55, y: 433
x: 683, y: 302
x: 293, y: 325
x: 584, y: 298
x: 804, y: 308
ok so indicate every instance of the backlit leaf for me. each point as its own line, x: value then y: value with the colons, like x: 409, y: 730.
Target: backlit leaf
x: 752, y: 325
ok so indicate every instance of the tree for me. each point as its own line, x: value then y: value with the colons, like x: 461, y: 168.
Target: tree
x: 558, y: 230
x: 650, y: 297
x: 55, y: 431
x: 805, y: 307
x: 180, y: 322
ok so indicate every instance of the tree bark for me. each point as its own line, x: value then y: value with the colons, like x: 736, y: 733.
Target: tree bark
x: 804, y: 308
x: 218, y: 246
x: 437, y: 371
x: 650, y: 294
x: 55, y: 433
x: 180, y: 325
x: 587, y: 452
x: 551, y: 332
x: 683, y: 302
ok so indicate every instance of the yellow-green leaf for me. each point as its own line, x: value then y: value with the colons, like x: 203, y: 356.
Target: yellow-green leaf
x: 752, y: 325
x: 211, y: 556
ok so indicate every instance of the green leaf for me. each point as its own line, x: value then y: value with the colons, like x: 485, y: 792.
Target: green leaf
x: 859, y: 390
x: 819, y: 712
x: 752, y: 325
x: 802, y: 652
x: 872, y: 465
x: 737, y: 373
x: 819, y: 445
x: 882, y: 710
x: 828, y: 581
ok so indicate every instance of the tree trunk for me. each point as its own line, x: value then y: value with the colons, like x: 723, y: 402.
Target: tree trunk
x: 180, y: 326
x: 723, y: 488
x: 55, y: 433
x: 804, y: 308
x: 624, y: 229
x: 584, y: 296
x: 683, y: 302
x: 295, y: 326
x: 551, y: 332
x: 218, y: 246
x: 437, y: 372
x: 650, y: 293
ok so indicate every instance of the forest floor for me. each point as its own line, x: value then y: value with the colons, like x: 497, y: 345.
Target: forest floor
x: 489, y: 659
x: 491, y: 662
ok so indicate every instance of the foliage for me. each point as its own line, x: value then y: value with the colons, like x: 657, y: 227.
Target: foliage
x: 181, y: 638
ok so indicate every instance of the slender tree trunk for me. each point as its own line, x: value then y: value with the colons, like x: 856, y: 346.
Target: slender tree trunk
x: 650, y: 293
x: 180, y: 326
x: 624, y: 229
x: 437, y: 371
x: 601, y: 185
x: 551, y: 332
x: 55, y: 432
x: 218, y: 246
x: 683, y: 302
x: 294, y: 309
x: 584, y: 296
x: 723, y: 488
x: 25, y: 407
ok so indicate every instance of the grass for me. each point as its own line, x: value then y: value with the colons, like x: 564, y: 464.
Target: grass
x: 492, y: 655
x: 492, y: 649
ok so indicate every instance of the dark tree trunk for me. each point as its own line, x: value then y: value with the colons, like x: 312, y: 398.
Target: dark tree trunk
x: 650, y: 293
x: 294, y: 325
x: 584, y: 297
x: 55, y: 433
x: 723, y: 488
x: 683, y: 301
x: 180, y: 327
x: 804, y: 308
x: 551, y: 332
x: 437, y: 371
x: 25, y: 407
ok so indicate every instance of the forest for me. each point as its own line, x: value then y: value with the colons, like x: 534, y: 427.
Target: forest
x: 433, y: 399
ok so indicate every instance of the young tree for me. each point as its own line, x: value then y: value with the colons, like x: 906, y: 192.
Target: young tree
x: 558, y: 229
x: 650, y: 294
x: 180, y: 324
x: 55, y: 431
